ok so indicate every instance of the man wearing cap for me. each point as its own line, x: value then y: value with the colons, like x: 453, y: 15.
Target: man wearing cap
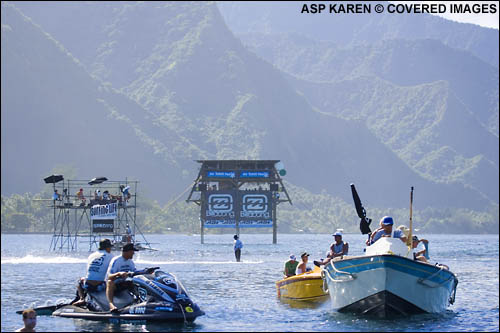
x: 302, y: 266
x: 97, y: 267
x: 419, y: 254
x: 118, y: 270
x: 290, y: 266
x: 337, y: 249
x: 385, y: 230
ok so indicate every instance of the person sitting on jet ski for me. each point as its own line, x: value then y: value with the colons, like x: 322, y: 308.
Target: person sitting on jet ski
x: 97, y: 267
x: 118, y: 270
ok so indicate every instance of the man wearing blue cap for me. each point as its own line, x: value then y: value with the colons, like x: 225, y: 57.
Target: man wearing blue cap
x: 385, y: 230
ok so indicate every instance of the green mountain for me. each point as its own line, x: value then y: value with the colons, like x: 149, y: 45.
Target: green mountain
x: 402, y: 62
x: 272, y: 17
x: 150, y: 87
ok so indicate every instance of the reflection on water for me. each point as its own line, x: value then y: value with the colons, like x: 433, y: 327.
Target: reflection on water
x: 314, y: 304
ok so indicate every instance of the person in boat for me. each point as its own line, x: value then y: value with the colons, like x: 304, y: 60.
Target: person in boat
x: 97, y: 267
x: 238, y: 245
x: 290, y: 266
x: 337, y: 249
x: 302, y: 266
x: 29, y: 319
x: 118, y: 270
x: 385, y: 230
x: 419, y: 253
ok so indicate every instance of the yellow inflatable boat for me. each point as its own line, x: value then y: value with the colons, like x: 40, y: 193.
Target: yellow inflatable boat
x: 304, y: 287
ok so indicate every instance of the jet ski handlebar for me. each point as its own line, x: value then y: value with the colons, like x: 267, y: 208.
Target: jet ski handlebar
x: 147, y: 270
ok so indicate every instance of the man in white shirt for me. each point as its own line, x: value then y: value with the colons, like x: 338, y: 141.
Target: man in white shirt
x: 419, y: 251
x: 97, y: 267
x: 118, y: 271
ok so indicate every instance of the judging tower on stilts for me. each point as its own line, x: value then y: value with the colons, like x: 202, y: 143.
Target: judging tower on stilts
x: 95, y: 209
x: 239, y: 194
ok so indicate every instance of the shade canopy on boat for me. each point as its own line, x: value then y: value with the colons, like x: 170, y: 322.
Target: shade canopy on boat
x: 97, y: 180
x: 53, y: 179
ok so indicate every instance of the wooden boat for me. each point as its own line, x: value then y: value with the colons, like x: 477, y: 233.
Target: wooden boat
x: 387, y: 282
x: 304, y: 287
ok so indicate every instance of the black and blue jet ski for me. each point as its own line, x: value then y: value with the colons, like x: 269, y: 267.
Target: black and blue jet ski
x: 158, y: 296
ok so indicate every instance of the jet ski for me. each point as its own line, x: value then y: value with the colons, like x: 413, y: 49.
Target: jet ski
x: 158, y: 296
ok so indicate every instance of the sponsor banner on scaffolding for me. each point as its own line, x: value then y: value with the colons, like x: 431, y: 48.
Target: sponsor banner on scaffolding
x: 254, y: 174
x: 218, y: 209
x: 255, y: 209
x: 221, y: 174
x: 252, y: 209
x: 104, y: 212
x: 103, y: 225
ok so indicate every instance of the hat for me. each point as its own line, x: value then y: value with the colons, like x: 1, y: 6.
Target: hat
x: 415, y: 238
x: 387, y: 220
x: 293, y: 257
x: 104, y: 243
x: 337, y: 233
x: 129, y: 247
x: 304, y: 254
x: 404, y: 230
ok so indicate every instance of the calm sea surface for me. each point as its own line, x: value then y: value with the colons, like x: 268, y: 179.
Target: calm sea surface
x: 242, y: 296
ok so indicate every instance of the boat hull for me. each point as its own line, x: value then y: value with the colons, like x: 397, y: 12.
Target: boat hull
x: 148, y: 314
x: 303, y: 287
x: 387, y: 285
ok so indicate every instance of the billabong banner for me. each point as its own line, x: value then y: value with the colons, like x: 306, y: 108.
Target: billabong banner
x: 252, y: 209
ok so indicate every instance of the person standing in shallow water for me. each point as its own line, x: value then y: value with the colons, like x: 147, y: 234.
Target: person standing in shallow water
x: 237, y: 248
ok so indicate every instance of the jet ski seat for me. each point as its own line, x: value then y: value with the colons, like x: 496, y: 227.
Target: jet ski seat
x: 121, y: 299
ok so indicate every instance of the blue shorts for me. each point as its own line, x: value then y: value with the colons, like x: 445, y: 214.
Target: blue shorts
x: 89, y: 287
x: 122, y: 284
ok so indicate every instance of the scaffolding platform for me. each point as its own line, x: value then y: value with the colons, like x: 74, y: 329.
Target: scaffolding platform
x: 92, y: 210
x: 239, y: 194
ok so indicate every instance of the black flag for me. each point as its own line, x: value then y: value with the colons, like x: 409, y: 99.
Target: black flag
x: 364, y: 224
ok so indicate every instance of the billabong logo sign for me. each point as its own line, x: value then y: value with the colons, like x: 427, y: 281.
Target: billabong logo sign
x: 254, y: 203
x: 220, y: 203
x: 254, y: 206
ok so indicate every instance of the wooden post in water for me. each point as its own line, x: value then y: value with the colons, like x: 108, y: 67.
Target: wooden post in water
x: 201, y: 231
x: 275, y: 222
x: 409, y: 241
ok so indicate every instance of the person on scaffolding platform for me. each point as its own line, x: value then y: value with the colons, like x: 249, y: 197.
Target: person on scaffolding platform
x: 79, y: 196
x: 129, y: 233
x: 126, y: 194
x: 56, y: 196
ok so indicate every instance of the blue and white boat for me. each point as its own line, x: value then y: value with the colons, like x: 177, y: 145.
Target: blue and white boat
x: 386, y: 281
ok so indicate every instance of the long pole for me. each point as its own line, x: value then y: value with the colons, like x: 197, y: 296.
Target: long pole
x: 409, y: 240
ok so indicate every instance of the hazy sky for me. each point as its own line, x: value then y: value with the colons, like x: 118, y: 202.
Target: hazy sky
x: 485, y: 20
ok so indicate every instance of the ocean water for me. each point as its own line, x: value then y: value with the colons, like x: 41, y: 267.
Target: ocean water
x: 242, y: 296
